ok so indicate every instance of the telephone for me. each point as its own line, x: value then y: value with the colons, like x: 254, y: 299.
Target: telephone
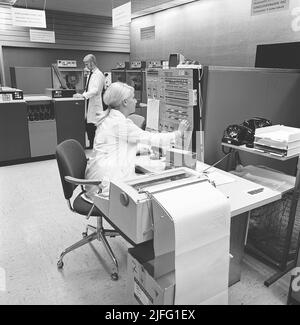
x: 244, y: 134
x: 257, y: 122
x: 237, y: 134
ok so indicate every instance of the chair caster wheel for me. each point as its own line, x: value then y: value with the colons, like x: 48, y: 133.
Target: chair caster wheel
x: 84, y: 234
x: 60, y: 264
x: 115, y: 276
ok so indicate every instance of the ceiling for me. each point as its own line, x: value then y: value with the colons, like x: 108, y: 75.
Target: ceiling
x: 97, y: 7
x: 91, y: 7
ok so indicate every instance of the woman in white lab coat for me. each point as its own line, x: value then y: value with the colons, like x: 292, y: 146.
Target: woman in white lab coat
x: 117, y: 137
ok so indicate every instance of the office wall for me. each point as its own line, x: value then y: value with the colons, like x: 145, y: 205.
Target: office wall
x: 72, y: 31
x: 41, y: 57
x: 237, y: 94
x: 76, y: 32
x: 215, y: 32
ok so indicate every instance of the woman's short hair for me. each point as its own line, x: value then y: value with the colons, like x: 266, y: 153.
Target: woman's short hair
x: 116, y: 93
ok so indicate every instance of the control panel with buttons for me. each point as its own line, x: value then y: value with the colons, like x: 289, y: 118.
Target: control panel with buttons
x: 179, y: 95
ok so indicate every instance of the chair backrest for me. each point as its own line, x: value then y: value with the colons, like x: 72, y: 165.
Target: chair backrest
x: 138, y: 120
x: 71, y: 161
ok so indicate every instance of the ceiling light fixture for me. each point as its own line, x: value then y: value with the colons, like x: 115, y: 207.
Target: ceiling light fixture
x: 8, y: 2
x: 164, y: 6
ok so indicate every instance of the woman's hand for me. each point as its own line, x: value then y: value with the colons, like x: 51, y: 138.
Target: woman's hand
x: 183, y: 126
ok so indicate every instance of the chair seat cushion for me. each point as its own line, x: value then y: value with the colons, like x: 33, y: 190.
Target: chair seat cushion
x: 83, y: 207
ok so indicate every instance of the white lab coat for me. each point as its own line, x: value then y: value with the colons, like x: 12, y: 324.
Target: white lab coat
x: 115, y: 148
x: 94, y: 95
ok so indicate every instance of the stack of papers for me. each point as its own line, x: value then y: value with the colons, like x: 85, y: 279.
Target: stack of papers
x: 278, y: 139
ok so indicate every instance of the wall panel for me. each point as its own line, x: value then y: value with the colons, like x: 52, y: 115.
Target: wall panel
x: 76, y: 35
x: 44, y: 57
x: 238, y: 94
x: 81, y: 31
x: 215, y: 32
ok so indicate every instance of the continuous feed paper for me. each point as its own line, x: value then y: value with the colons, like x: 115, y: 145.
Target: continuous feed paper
x: 201, y: 216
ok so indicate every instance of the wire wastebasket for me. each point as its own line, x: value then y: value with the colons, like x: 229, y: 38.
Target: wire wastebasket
x: 268, y: 229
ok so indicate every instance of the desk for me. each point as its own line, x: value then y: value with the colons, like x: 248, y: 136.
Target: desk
x: 237, y: 191
x: 241, y: 203
x: 284, y: 265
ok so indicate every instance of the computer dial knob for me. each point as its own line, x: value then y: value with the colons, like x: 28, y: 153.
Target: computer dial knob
x: 124, y: 199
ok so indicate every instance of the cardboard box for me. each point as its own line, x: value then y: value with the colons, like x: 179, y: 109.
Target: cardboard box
x: 143, y: 287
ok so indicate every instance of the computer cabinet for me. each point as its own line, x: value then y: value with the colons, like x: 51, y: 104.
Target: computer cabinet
x: 42, y: 128
x: 32, y: 128
x: 72, y: 78
x: 14, y: 136
x: 134, y: 77
x: 137, y: 80
x: 118, y: 75
x: 70, y: 119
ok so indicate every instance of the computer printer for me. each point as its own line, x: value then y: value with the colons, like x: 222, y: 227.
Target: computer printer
x: 130, y: 206
x: 9, y: 94
x: 143, y: 209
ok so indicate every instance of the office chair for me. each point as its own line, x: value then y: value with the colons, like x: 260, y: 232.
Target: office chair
x: 138, y: 120
x: 72, y: 161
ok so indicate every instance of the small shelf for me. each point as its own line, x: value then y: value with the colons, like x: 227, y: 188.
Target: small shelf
x: 259, y: 152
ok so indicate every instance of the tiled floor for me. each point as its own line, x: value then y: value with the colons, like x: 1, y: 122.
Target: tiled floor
x: 36, y: 225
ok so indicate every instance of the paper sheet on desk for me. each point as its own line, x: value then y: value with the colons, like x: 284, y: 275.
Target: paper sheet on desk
x: 213, y: 174
x: 201, y: 216
x: 219, y: 178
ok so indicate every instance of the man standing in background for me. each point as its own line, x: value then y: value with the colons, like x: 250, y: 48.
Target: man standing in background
x: 93, y: 95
